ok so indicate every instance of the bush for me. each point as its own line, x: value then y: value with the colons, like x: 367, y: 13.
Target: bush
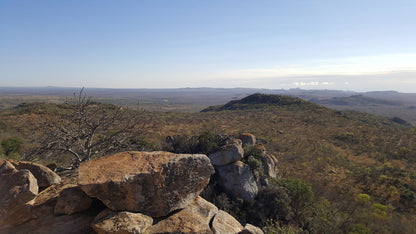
x: 12, y: 145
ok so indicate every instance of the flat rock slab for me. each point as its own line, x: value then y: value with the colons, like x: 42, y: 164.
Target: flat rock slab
x: 152, y: 183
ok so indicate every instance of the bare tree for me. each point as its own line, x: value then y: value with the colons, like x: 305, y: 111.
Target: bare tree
x: 84, y: 129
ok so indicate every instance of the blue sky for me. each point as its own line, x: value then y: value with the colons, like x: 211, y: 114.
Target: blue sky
x: 311, y: 44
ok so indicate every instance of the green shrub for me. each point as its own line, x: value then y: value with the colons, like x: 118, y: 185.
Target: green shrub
x: 12, y: 145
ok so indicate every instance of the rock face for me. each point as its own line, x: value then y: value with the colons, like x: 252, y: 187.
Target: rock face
x: 109, y: 221
x: 195, y: 218
x: 225, y: 223
x: 44, y: 175
x: 16, y: 188
x: 152, y: 183
x: 72, y: 200
x: 270, y: 165
x: 247, y: 139
x: 227, y: 155
x: 238, y: 180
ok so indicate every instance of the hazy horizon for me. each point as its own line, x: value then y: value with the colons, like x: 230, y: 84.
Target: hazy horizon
x: 336, y: 45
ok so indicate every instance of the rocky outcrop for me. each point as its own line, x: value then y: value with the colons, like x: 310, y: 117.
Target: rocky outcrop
x: 72, y: 200
x: 45, y: 176
x: 17, y: 187
x: 247, y: 139
x: 225, y: 223
x: 109, y: 221
x: 238, y: 180
x: 227, y: 155
x: 195, y: 218
x: 165, y: 181
x: 154, y: 184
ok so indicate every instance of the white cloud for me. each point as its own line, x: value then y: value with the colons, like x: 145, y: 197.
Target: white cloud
x: 369, y: 65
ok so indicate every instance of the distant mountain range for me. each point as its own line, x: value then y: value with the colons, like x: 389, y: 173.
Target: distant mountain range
x: 386, y: 103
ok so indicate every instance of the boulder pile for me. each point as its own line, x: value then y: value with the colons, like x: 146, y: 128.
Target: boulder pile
x: 129, y: 192
x: 235, y: 175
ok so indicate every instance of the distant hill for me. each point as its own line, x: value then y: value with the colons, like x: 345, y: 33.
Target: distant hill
x: 355, y: 100
x: 260, y: 101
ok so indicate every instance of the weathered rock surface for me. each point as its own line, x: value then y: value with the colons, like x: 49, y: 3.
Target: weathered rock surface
x: 225, y: 223
x: 152, y: 183
x: 227, y: 155
x: 37, y: 216
x: 64, y: 224
x: 270, y: 165
x: 247, y: 139
x: 16, y: 189
x: 251, y: 229
x: 45, y: 176
x: 72, y: 200
x: 237, y: 179
x: 109, y: 221
x: 195, y: 218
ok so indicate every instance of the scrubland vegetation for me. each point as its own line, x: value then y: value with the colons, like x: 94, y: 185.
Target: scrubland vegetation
x: 340, y: 172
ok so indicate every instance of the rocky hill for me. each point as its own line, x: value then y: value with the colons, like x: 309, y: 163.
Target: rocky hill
x: 129, y: 192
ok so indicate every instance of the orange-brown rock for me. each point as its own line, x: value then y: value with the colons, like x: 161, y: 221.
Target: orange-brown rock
x: 72, y: 200
x: 195, y: 218
x: 16, y: 189
x: 152, y: 183
x: 225, y: 223
x: 113, y: 222
x: 45, y: 176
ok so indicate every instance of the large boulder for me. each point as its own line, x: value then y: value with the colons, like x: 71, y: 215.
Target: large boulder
x: 72, y: 200
x: 195, y: 218
x: 237, y: 179
x: 225, y: 223
x: 227, y: 154
x: 45, y: 176
x: 270, y: 165
x: 247, y: 139
x: 16, y: 188
x: 112, y: 222
x: 152, y: 183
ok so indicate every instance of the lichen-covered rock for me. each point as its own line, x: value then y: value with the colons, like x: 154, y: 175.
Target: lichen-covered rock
x: 251, y: 229
x: 227, y: 155
x: 109, y: 222
x: 225, y: 223
x: 152, y: 183
x: 45, y: 176
x: 195, y: 218
x: 247, y: 139
x: 72, y: 200
x: 237, y: 179
x: 16, y: 189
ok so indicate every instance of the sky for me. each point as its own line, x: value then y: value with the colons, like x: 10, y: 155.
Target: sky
x: 359, y: 45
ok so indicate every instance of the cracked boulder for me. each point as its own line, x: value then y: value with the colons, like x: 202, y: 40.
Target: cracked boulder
x: 152, y: 183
